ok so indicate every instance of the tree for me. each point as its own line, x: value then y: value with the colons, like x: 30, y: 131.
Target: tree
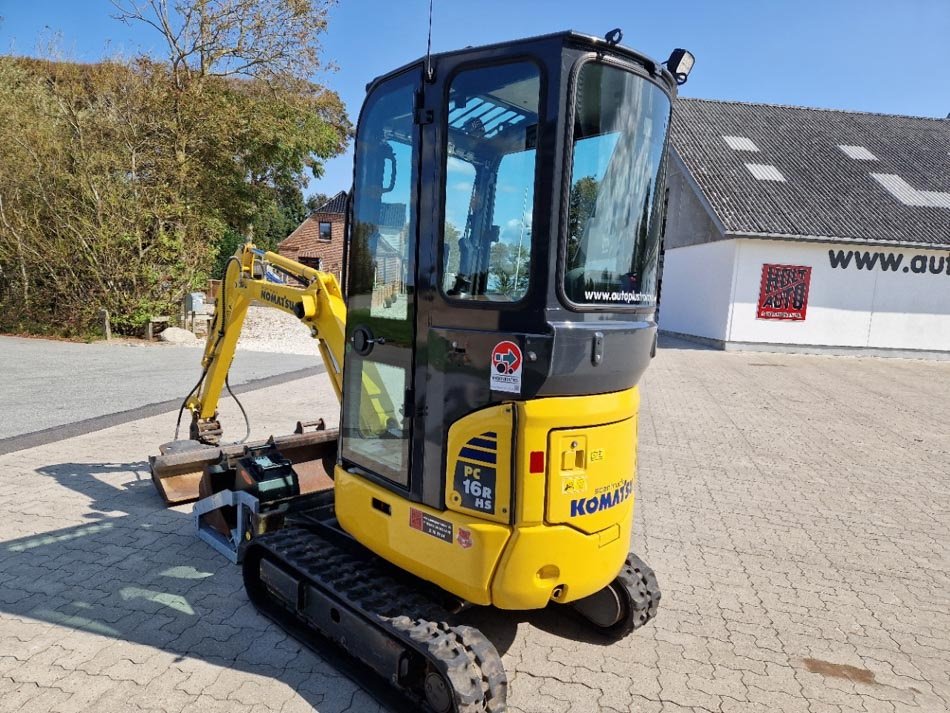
x: 122, y: 182
x: 583, y: 202
x: 270, y: 40
x: 316, y: 201
x: 85, y: 193
x: 508, y: 268
x: 450, y: 244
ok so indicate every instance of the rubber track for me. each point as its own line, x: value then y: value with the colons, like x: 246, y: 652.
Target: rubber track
x: 639, y: 581
x: 466, y: 659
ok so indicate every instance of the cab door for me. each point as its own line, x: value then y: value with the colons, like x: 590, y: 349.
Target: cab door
x: 376, y: 418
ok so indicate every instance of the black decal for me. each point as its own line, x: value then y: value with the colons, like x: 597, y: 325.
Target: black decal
x: 475, y: 483
x: 890, y: 261
x: 840, y: 258
x: 865, y: 261
x: 431, y: 525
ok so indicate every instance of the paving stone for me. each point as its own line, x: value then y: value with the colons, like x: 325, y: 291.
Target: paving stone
x: 792, y: 513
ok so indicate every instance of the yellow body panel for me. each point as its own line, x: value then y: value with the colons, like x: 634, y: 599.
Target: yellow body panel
x: 457, y: 552
x: 478, y: 471
x: 546, y: 562
x: 534, y: 560
x: 539, y: 417
x: 591, y: 472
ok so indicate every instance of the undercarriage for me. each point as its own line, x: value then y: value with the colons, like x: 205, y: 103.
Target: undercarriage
x: 312, y: 578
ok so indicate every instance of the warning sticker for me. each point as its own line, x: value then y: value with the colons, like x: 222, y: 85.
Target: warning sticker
x: 506, y: 365
x: 575, y: 484
x: 431, y: 525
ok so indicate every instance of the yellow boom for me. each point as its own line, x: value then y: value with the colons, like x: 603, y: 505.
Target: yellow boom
x: 317, y: 302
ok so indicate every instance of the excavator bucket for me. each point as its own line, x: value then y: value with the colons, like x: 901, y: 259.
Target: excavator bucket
x: 178, y: 470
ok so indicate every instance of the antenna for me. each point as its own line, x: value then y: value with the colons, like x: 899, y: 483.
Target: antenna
x: 429, y: 47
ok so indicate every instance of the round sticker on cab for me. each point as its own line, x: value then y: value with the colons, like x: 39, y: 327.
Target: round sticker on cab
x: 506, y: 363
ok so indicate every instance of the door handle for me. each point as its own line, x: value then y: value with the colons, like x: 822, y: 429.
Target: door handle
x: 363, y: 340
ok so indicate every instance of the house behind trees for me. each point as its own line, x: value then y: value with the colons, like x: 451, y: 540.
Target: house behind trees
x: 318, y: 240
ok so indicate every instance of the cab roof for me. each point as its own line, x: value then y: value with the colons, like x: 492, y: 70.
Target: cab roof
x: 565, y: 37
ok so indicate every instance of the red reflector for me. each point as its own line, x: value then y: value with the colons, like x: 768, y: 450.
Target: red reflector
x: 537, y: 462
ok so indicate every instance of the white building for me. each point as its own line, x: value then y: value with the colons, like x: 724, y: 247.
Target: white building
x: 793, y: 229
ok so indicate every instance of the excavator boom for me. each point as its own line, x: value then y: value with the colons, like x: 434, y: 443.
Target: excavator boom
x: 253, y: 275
x: 317, y: 301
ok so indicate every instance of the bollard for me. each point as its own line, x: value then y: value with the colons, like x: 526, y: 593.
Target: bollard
x: 106, y: 326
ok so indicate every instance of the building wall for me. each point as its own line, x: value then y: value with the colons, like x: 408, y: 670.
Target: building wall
x: 688, y: 222
x: 305, y: 239
x: 905, y: 308
x: 697, y: 289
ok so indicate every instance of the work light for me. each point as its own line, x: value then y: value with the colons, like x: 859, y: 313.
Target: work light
x: 680, y: 64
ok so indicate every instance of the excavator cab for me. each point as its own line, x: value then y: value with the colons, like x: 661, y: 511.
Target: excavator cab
x: 511, y: 193
x: 504, y: 236
x: 496, y: 314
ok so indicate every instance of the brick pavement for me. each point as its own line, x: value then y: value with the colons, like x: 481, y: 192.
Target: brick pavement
x: 794, y: 507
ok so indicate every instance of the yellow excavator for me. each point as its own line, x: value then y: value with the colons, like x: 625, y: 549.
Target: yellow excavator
x: 495, y: 316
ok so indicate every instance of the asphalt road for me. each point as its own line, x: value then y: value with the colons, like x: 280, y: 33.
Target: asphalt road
x: 46, y: 384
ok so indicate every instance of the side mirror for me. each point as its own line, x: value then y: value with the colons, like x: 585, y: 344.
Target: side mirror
x: 680, y: 64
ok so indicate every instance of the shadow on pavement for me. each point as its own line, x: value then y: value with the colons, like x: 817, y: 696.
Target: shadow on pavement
x: 502, y: 626
x: 137, y: 573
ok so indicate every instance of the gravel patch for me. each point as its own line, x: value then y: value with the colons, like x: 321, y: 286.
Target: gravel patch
x: 270, y: 330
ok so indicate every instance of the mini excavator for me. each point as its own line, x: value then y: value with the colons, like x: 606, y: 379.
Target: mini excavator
x: 486, y: 339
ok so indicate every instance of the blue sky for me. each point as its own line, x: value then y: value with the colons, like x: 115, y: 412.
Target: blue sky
x: 888, y: 56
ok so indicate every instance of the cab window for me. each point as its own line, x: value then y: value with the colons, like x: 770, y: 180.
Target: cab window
x: 489, y: 188
x: 615, y: 215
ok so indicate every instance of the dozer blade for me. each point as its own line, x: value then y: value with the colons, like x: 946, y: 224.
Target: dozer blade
x: 177, y: 471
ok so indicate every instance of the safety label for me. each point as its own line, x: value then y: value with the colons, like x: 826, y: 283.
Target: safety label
x: 506, y: 362
x: 573, y: 484
x: 431, y: 525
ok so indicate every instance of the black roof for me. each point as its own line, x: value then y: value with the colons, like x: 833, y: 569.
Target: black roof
x: 826, y: 192
x: 593, y: 42
x: 337, y: 204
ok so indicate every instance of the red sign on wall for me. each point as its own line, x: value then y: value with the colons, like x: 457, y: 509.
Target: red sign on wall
x: 784, y: 292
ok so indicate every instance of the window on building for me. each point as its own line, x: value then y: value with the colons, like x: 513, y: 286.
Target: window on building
x: 326, y: 231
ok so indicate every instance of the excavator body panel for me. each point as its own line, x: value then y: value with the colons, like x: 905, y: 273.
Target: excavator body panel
x: 506, y: 215
x: 481, y: 545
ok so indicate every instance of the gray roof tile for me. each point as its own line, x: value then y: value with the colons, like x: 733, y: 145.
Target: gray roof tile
x: 826, y: 193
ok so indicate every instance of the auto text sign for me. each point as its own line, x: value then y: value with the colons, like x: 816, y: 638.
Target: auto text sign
x: 506, y: 362
x: 783, y: 292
